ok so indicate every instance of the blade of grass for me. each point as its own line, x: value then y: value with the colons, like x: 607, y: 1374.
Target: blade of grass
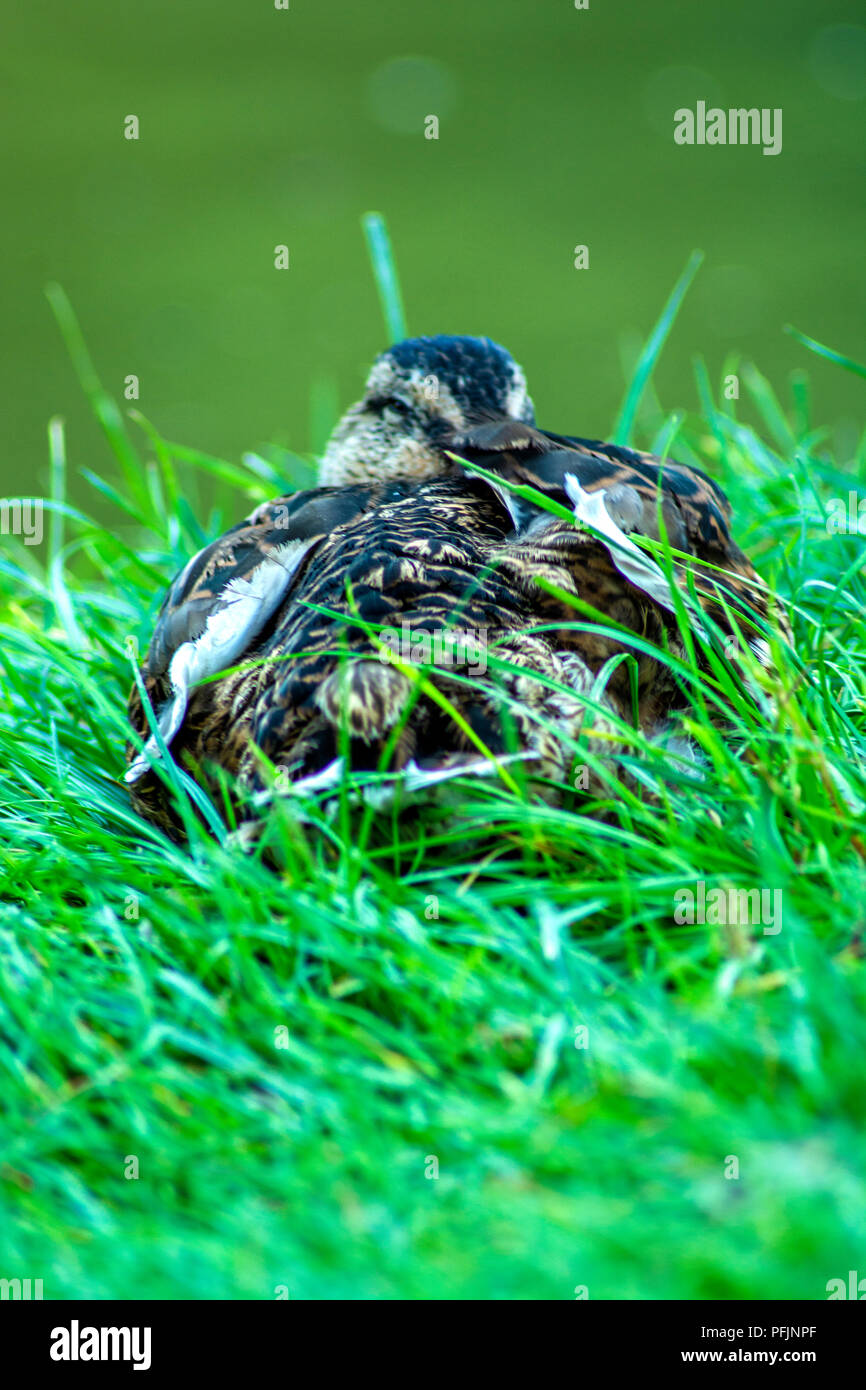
x: 821, y: 351
x: 103, y: 405
x: 385, y: 271
x: 622, y: 433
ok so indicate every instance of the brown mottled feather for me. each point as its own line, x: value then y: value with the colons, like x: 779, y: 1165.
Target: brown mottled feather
x: 440, y: 549
x: 695, y: 511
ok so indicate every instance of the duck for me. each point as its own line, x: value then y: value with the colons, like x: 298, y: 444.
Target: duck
x: 420, y: 614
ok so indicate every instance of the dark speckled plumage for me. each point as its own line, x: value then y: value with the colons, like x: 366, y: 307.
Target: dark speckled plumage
x: 404, y: 532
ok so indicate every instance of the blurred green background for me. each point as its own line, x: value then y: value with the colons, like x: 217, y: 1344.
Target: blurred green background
x: 261, y: 126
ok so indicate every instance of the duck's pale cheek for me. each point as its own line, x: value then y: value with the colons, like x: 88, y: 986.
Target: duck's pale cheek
x: 378, y: 458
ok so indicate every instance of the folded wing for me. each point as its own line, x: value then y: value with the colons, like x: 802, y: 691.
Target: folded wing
x: 221, y: 600
x: 619, y: 493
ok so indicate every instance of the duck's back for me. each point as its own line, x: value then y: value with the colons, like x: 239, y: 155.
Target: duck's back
x: 420, y: 562
x: 412, y: 577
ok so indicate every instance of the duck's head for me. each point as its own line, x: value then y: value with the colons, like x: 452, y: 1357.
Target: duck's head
x: 417, y: 394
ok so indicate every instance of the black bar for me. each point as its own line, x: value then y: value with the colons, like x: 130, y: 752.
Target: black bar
x: 226, y: 1338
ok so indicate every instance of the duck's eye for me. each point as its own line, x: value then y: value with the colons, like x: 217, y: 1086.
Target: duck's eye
x: 392, y: 403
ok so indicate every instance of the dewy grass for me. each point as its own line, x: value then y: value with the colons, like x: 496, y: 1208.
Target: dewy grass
x: 463, y: 1048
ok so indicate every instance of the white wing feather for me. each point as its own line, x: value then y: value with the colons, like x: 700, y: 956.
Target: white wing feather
x: 636, y: 566
x: 241, y: 611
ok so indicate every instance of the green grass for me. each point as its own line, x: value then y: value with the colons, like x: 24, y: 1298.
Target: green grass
x: 430, y: 971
